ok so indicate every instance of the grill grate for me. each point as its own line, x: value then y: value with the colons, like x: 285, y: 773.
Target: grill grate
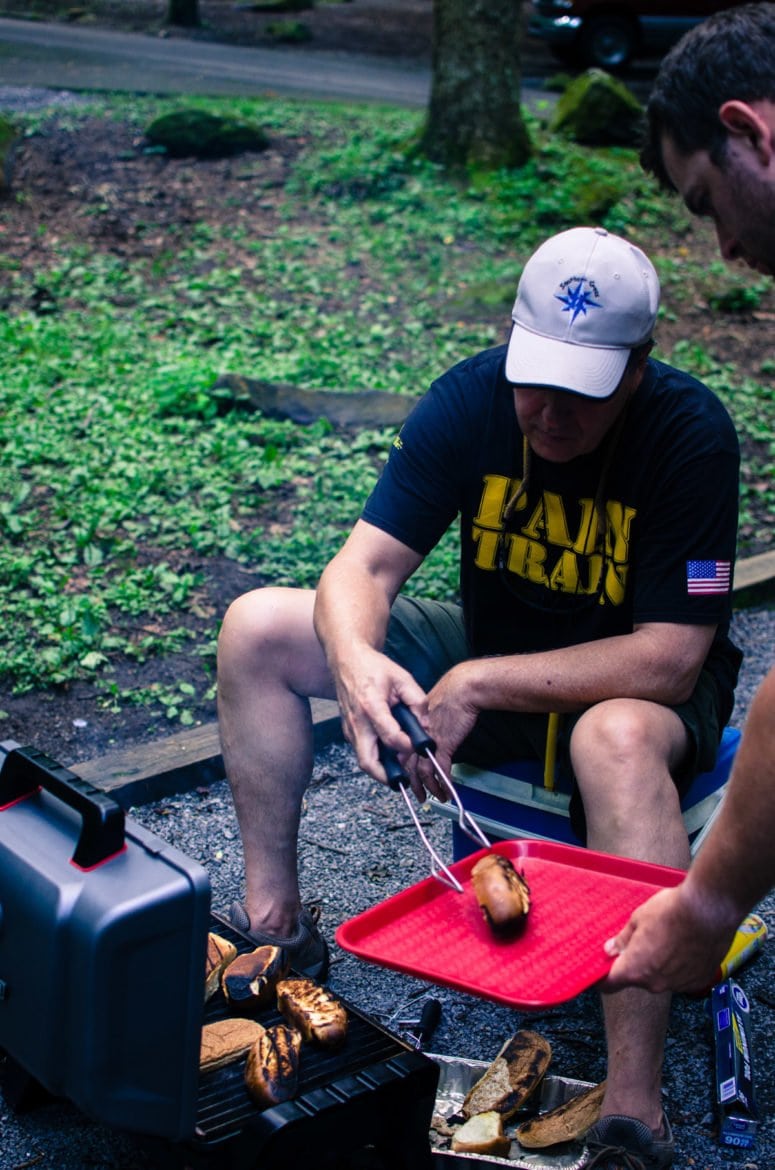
x: 224, y: 1107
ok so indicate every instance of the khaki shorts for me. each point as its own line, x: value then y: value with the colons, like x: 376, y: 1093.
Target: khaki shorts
x: 428, y: 638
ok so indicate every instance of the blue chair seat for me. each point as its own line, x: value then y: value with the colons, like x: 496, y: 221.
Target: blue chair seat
x: 512, y: 801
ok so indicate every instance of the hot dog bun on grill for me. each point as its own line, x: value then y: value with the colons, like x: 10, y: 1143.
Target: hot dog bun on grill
x: 482, y: 1134
x: 272, y: 1067
x: 565, y: 1123
x: 317, y: 1014
x: 250, y: 980
x: 225, y: 1041
x: 220, y: 953
x: 512, y: 1076
x: 502, y: 893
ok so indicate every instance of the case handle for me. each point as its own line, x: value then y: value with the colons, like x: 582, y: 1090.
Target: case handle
x: 25, y: 769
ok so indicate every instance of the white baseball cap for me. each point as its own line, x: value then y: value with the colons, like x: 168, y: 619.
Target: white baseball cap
x: 585, y: 299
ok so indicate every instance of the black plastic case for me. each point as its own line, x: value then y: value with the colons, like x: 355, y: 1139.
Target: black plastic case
x: 103, y: 934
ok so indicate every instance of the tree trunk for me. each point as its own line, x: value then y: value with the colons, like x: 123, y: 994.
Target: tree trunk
x: 183, y: 12
x: 474, y: 117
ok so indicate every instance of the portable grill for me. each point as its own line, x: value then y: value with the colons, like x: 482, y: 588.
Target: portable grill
x: 103, y: 931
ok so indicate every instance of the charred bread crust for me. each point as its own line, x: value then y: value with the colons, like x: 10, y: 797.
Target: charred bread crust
x: 225, y: 1041
x: 502, y: 893
x: 249, y: 981
x: 566, y: 1123
x: 313, y: 1010
x: 482, y: 1134
x: 220, y: 953
x: 272, y: 1067
x: 511, y: 1078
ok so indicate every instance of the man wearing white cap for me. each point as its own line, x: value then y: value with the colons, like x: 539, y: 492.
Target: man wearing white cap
x: 596, y: 491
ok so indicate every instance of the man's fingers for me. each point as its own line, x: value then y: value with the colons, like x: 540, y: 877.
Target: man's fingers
x: 614, y: 946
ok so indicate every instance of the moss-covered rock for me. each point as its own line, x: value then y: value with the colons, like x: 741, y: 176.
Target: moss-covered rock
x: 598, y: 110
x: 203, y: 135
x: 8, y: 139
x: 264, y: 6
x: 288, y: 32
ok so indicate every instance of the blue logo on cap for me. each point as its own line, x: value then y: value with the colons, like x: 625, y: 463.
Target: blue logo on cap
x: 577, y: 300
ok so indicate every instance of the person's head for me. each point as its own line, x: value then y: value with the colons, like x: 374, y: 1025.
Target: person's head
x: 585, y: 310
x: 710, y: 128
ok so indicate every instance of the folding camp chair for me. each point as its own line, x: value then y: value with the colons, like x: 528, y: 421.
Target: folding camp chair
x: 522, y: 799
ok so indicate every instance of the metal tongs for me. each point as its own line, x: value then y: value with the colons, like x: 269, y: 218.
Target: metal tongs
x: 398, y: 781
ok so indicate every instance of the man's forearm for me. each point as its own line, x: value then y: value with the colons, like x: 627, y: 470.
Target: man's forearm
x: 736, y: 863
x: 678, y: 937
x: 659, y: 663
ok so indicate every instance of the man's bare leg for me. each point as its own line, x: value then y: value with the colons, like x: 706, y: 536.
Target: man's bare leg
x: 269, y: 663
x: 622, y: 751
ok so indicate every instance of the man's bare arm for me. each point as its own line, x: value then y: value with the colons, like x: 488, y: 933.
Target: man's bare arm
x: 659, y: 662
x: 352, y: 609
x: 677, y: 939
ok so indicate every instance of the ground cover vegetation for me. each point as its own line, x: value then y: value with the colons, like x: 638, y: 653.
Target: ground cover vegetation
x: 135, y: 500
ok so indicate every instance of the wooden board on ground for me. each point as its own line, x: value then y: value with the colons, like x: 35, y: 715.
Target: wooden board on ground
x: 180, y: 762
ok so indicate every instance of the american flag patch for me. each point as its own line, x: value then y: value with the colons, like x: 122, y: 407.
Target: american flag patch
x: 708, y: 576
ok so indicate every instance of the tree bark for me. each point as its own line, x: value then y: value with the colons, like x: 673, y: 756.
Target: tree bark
x: 474, y: 117
x: 183, y: 12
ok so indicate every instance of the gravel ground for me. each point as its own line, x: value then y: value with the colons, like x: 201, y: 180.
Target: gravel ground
x: 23, y: 99
x: 358, y: 848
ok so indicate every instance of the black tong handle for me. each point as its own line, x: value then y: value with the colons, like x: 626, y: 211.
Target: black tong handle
x: 421, y: 742
x: 430, y: 1017
x: 396, y: 776
x: 419, y: 1032
x: 408, y: 722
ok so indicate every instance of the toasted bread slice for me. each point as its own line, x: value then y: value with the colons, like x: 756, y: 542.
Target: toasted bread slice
x: 482, y: 1134
x: 314, y: 1010
x: 566, y: 1123
x: 225, y: 1041
x: 220, y: 953
x: 272, y: 1067
x: 511, y: 1078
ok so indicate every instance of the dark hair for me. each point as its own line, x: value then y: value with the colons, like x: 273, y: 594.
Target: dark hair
x: 728, y: 56
x: 638, y: 352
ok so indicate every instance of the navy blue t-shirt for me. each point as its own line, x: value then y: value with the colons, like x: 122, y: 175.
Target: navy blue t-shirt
x: 553, y: 576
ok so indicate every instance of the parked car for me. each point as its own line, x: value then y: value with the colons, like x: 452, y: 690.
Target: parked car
x: 609, y: 33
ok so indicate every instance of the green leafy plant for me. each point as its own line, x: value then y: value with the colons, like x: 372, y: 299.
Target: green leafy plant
x: 123, y: 474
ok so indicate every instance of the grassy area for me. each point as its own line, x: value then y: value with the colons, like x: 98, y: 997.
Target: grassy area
x: 118, y: 463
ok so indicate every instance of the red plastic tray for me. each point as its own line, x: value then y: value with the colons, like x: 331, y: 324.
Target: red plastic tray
x: 579, y: 899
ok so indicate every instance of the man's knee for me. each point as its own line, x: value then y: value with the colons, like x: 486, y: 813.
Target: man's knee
x: 262, y: 627
x: 615, y: 733
x: 623, y: 752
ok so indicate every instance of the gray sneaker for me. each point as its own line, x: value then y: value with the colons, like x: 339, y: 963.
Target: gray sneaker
x: 306, y: 948
x: 624, y: 1143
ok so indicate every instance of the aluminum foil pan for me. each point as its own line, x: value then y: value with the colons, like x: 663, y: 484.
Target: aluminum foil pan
x: 457, y: 1076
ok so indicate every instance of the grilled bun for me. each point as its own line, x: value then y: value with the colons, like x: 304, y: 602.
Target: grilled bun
x: 502, y: 893
x: 313, y: 1010
x: 220, y: 953
x: 507, y: 1083
x: 565, y: 1123
x: 272, y: 1067
x: 249, y: 981
x: 225, y: 1041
